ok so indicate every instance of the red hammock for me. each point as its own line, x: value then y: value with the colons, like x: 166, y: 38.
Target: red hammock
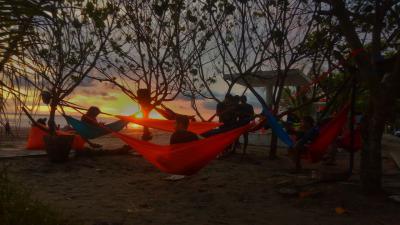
x: 357, y: 144
x: 185, y: 158
x: 327, y: 134
x: 36, y: 135
x: 169, y: 125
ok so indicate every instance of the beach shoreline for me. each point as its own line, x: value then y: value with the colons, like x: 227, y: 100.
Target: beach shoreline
x: 126, y: 189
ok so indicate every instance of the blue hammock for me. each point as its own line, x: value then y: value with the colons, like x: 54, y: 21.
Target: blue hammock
x: 276, y: 127
x: 88, y: 131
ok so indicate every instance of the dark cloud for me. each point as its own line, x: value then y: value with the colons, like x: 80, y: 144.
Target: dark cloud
x: 87, y: 82
x: 181, y: 97
x: 211, y: 105
x: 92, y: 92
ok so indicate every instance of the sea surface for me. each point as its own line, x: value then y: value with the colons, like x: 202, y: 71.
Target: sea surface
x: 21, y: 127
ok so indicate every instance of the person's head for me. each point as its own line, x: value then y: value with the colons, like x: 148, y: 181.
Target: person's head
x: 46, y: 97
x: 42, y: 121
x: 243, y: 99
x: 307, y: 122
x: 181, y: 122
x: 228, y: 98
x: 93, y: 111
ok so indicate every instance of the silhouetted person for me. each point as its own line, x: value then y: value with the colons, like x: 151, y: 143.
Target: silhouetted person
x: 181, y: 134
x: 42, y: 121
x: 7, y: 129
x: 245, y: 115
x: 91, y: 115
x: 305, y: 135
x: 91, y: 118
x: 223, y: 108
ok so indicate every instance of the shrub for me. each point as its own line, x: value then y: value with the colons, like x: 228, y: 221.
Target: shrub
x: 18, y: 207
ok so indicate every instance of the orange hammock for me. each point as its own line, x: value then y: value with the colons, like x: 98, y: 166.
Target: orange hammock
x: 36, y: 135
x: 186, y: 158
x: 327, y: 134
x: 169, y: 125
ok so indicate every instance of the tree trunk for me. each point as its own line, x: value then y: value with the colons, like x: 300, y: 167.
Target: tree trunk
x: 382, y: 100
x: 273, y: 146
x: 371, y: 155
x: 371, y: 162
x: 146, y: 132
x: 51, y: 123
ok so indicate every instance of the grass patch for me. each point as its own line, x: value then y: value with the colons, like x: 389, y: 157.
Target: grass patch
x: 18, y: 207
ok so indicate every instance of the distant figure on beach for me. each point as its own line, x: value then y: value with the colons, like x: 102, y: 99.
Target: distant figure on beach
x: 91, y: 115
x: 181, y: 134
x: 245, y: 115
x: 42, y: 121
x: 7, y: 129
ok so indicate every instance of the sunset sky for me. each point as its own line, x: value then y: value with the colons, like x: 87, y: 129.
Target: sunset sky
x: 111, y: 100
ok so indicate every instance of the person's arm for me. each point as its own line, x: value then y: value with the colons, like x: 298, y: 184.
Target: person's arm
x: 252, y: 110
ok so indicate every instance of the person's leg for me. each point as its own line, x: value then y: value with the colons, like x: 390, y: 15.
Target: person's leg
x: 298, y: 151
x: 245, y: 142
x: 93, y: 145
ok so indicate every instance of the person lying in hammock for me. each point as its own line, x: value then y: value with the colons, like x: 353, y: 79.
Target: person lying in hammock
x: 181, y: 134
x: 91, y: 118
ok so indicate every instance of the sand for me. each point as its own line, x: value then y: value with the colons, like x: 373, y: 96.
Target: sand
x: 125, y: 189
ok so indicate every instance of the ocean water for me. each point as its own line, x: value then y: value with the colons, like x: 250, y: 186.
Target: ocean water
x: 24, y: 122
x: 21, y: 126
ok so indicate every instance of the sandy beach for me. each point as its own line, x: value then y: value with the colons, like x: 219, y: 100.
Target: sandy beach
x: 125, y: 189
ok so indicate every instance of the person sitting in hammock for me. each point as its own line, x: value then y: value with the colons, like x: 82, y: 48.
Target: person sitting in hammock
x: 330, y: 156
x: 181, y: 134
x: 91, y: 118
x: 305, y: 135
x: 91, y: 115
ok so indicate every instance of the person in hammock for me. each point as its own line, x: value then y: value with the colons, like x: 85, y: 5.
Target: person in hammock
x: 90, y: 117
x: 304, y: 135
x: 330, y: 156
x: 181, y: 134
